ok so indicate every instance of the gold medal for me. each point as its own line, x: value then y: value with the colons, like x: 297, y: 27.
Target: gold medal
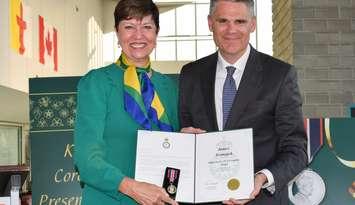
x: 233, y: 184
x: 171, y: 189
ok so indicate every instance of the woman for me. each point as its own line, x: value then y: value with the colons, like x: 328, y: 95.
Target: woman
x: 113, y: 103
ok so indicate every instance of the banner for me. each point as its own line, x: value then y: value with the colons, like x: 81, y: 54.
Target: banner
x: 52, y: 117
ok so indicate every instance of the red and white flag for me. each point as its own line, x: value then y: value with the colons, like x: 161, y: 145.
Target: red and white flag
x: 48, y: 48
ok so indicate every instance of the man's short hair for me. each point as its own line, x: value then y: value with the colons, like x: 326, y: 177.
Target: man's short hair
x: 248, y: 3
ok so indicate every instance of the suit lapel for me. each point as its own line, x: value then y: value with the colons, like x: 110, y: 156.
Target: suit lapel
x: 160, y: 85
x: 208, y: 78
x: 248, y: 88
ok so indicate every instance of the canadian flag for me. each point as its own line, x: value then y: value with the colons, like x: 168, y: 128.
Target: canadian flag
x: 48, y: 49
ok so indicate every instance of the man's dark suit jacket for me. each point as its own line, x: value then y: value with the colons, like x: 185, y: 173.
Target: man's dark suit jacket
x: 267, y: 100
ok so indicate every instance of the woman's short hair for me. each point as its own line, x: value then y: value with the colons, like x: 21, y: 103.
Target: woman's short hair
x: 128, y: 9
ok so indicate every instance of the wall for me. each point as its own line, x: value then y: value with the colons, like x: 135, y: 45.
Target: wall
x: 109, y: 8
x: 323, y: 51
x: 282, y: 30
x: 170, y: 67
x: 79, y: 37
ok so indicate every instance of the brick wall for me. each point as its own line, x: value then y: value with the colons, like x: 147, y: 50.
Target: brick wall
x: 323, y: 43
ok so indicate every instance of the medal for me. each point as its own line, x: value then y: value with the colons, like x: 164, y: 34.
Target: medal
x: 310, y: 188
x: 171, y: 179
x: 171, y: 189
x: 172, y: 176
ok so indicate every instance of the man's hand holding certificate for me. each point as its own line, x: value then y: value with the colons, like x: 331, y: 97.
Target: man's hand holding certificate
x: 213, y: 166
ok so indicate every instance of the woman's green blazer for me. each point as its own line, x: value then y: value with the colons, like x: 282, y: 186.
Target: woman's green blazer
x: 105, y: 135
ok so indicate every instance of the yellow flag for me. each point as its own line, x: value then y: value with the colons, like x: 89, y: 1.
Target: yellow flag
x: 15, y: 12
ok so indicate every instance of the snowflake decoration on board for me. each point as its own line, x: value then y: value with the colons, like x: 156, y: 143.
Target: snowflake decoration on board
x: 37, y: 113
x: 64, y: 113
x: 57, y: 105
x: 71, y: 102
x: 57, y: 122
x: 42, y: 123
x: 71, y: 121
x: 48, y: 114
x: 52, y: 111
x: 44, y: 102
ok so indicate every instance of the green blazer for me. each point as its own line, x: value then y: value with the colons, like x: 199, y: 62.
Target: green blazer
x: 105, y: 135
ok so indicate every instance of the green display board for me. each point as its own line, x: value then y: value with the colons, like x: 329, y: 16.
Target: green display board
x: 338, y: 177
x: 52, y: 117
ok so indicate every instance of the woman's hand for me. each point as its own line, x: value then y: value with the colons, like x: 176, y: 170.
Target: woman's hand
x: 145, y: 193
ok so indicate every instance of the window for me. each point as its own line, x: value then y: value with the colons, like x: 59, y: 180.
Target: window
x: 186, y: 30
x: 185, y: 20
x: 165, y: 50
x: 186, y: 50
x: 10, y: 144
x: 202, y: 11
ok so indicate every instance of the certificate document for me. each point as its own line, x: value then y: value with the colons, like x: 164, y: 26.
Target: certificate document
x: 213, y: 166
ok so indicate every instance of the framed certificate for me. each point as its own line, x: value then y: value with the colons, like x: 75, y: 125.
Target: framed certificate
x: 213, y: 166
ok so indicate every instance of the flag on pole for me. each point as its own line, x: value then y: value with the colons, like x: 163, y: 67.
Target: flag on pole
x: 20, y: 28
x: 48, y: 48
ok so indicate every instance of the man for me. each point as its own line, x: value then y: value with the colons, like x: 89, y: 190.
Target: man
x: 239, y: 87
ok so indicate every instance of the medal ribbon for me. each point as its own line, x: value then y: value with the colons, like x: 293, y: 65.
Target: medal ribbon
x: 171, y: 175
x: 141, y: 100
x: 348, y: 163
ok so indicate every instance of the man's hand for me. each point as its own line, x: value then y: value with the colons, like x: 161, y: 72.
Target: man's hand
x: 192, y: 130
x: 145, y: 193
x: 259, y: 180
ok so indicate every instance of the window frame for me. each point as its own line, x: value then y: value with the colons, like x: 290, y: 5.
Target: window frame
x: 19, y: 128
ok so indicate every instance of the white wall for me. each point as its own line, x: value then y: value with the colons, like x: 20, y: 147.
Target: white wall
x: 109, y: 22
x: 264, y: 26
x: 79, y: 24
